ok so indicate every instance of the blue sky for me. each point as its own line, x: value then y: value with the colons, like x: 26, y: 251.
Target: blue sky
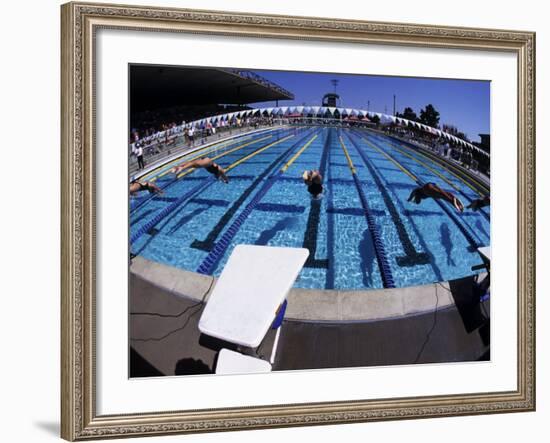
x: 462, y: 103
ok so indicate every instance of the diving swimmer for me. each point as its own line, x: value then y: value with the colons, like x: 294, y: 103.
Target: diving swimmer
x: 206, y: 163
x: 137, y: 186
x: 314, y: 182
x: 431, y: 190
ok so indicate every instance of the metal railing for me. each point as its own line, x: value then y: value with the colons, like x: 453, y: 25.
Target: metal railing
x: 323, y: 121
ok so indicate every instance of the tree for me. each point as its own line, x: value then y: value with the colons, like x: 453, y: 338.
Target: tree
x: 409, y: 114
x: 429, y: 116
x: 453, y: 130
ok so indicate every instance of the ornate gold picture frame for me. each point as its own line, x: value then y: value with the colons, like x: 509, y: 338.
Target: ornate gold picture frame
x: 80, y: 22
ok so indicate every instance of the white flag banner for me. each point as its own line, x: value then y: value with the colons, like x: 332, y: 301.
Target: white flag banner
x: 299, y: 109
x: 331, y: 110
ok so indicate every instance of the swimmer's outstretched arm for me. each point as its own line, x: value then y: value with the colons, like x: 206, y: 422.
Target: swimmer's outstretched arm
x: 222, y: 175
x: 480, y: 203
x: 412, y: 194
x: 455, y: 201
x: 316, y: 177
x: 154, y: 188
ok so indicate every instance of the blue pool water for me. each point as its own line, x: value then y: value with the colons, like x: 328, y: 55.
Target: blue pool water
x: 197, y: 222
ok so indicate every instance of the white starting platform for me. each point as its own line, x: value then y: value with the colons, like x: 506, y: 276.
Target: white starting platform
x: 250, y: 290
x: 485, y: 253
x: 231, y: 362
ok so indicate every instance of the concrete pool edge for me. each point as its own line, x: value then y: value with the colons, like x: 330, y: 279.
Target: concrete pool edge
x: 311, y: 305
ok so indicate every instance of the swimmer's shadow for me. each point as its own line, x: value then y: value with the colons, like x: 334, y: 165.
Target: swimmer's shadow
x: 419, y: 258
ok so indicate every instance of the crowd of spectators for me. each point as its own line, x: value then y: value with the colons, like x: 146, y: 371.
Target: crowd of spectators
x: 187, y: 134
x: 324, y: 121
x: 147, y: 123
x: 161, y: 137
x: 466, y: 157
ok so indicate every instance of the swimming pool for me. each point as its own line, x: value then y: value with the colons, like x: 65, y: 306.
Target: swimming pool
x: 361, y: 234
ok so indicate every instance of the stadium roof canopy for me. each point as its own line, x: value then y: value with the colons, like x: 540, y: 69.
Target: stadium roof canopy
x: 157, y: 87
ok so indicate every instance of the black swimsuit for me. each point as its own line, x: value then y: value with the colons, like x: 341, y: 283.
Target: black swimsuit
x: 142, y: 186
x: 315, y: 189
x: 213, y: 169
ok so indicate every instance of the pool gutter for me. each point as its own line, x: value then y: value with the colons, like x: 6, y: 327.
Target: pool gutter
x: 311, y: 305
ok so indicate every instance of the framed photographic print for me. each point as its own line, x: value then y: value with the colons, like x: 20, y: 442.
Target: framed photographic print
x: 281, y: 221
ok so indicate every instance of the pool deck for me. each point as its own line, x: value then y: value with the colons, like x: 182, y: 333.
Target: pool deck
x: 322, y: 329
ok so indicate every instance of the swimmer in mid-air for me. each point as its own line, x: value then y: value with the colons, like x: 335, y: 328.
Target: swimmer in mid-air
x: 314, y: 182
x: 479, y: 203
x: 206, y: 163
x: 431, y: 190
x: 137, y: 186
